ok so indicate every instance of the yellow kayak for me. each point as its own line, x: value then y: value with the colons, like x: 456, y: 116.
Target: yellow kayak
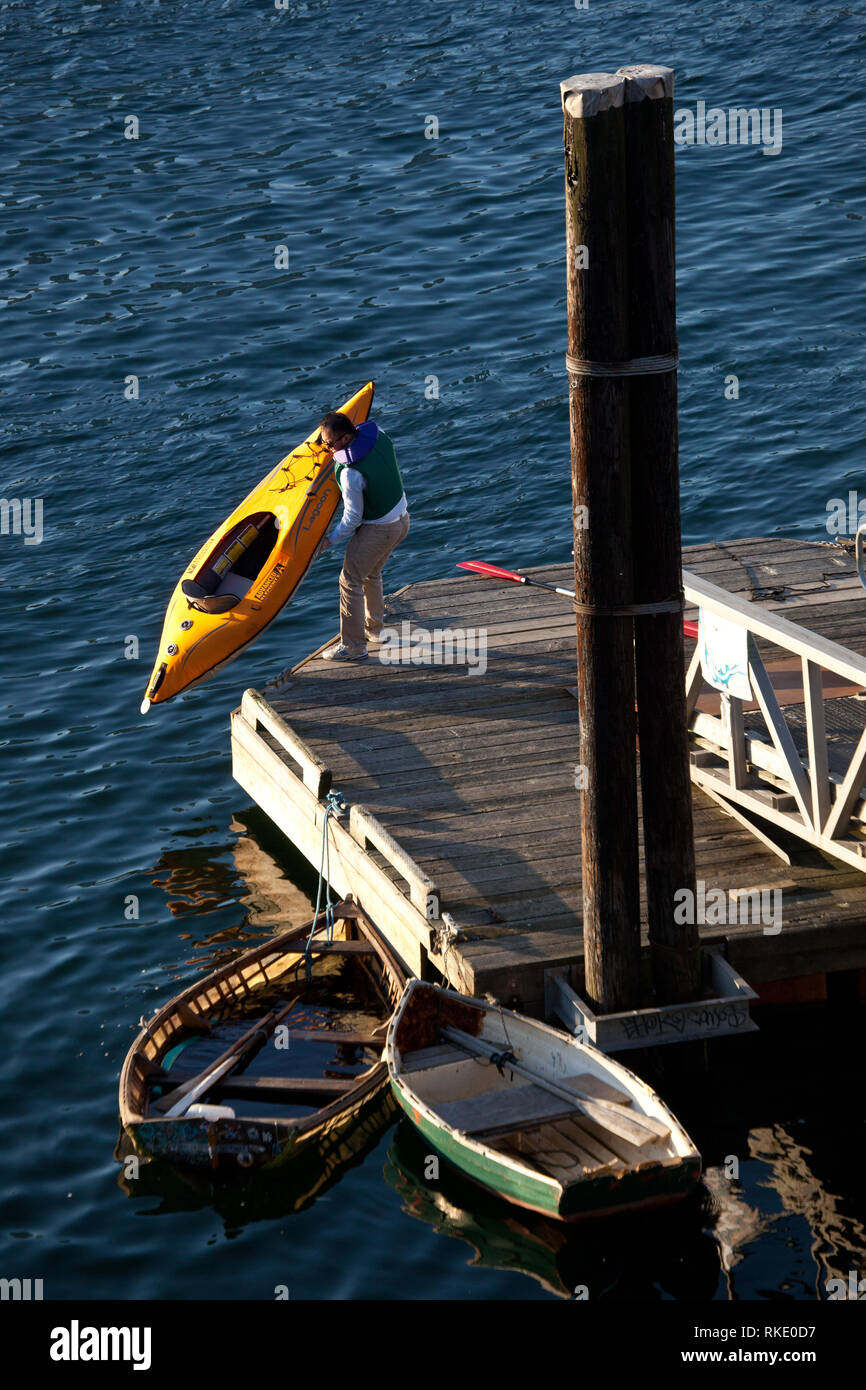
x: 250, y: 566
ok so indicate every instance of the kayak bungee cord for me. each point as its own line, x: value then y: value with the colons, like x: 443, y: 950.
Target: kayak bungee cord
x: 317, y: 452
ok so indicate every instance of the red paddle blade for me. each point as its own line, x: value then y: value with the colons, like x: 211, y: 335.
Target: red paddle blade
x: 690, y: 628
x: 492, y: 571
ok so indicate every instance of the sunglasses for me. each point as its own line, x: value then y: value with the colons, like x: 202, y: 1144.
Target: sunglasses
x: 331, y: 444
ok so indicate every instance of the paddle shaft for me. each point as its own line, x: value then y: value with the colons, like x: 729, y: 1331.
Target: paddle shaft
x: 184, y: 1096
x: 539, y: 584
x: 625, y: 1126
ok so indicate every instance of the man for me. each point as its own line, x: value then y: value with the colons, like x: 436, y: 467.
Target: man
x: 375, y: 520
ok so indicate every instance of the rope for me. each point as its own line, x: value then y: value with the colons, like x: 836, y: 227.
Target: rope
x: 444, y: 934
x: 335, y: 805
x: 636, y: 366
x: 629, y: 610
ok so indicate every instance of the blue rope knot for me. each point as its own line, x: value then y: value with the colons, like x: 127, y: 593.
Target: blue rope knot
x: 335, y: 805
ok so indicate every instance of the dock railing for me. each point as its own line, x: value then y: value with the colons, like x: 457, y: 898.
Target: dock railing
x: 290, y: 782
x: 762, y: 770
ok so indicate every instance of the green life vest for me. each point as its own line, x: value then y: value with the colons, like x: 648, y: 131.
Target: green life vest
x: 384, y: 486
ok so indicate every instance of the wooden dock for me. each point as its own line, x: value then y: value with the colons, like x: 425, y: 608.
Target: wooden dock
x: 463, y: 835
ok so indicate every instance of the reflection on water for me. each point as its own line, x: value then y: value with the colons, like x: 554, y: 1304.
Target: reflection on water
x: 273, y: 900
x: 779, y: 1119
x: 256, y: 884
x: 788, y: 1175
x: 735, y: 1224
x: 260, y: 1196
x: 195, y: 880
x: 630, y: 1256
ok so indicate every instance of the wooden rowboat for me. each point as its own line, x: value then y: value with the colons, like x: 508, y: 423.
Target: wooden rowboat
x: 536, y: 1116
x: 292, y: 1038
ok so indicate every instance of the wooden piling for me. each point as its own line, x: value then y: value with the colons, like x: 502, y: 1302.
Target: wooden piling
x: 656, y: 537
x: 595, y: 189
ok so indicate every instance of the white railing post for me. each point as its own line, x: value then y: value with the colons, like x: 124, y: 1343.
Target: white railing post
x: 735, y: 738
x: 825, y: 807
x: 816, y: 734
x: 779, y: 732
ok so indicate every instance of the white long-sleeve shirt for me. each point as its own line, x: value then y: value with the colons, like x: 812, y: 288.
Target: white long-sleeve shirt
x: 352, y: 484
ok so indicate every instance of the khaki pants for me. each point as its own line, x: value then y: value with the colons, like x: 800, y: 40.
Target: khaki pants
x: 362, y: 601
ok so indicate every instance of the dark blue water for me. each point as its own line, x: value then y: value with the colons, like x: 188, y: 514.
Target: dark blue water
x: 409, y: 258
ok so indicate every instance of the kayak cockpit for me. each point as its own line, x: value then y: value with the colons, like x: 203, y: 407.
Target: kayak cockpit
x: 234, y: 564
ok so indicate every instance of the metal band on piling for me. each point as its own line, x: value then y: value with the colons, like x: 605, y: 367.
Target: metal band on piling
x: 637, y: 366
x: 630, y: 610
